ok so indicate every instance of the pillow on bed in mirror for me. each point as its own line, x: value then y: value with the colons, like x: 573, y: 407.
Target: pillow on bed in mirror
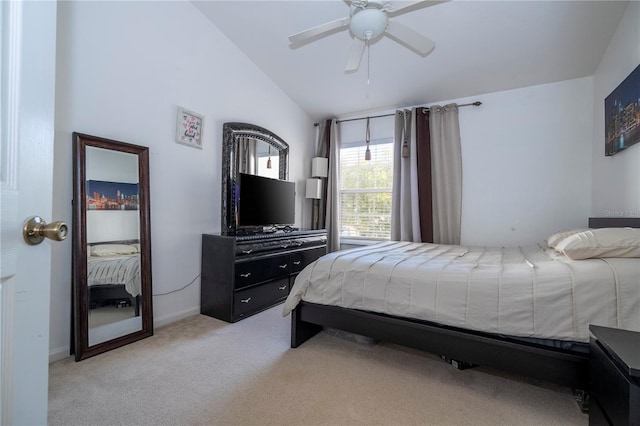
x: 112, y: 249
x: 554, y: 239
x: 604, y: 242
x: 136, y: 246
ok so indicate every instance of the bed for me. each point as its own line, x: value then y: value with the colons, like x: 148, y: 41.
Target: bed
x: 114, y: 274
x: 525, y: 332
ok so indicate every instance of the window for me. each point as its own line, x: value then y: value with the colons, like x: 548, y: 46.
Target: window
x: 365, y: 190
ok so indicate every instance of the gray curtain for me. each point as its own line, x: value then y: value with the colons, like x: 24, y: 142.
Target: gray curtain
x: 332, y: 212
x: 246, y: 156
x: 446, y: 164
x: 405, y: 212
x: 322, y: 151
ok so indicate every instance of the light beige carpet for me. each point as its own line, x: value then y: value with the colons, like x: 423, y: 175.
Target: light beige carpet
x: 109, y: 314
x: 202, y: 371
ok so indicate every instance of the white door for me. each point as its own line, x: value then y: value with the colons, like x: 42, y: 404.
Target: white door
x: 28, y: 37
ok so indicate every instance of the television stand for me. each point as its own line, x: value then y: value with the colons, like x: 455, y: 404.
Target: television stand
x: 246, y: 274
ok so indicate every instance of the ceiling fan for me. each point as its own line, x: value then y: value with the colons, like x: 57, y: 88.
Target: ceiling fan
x: 369, y: 20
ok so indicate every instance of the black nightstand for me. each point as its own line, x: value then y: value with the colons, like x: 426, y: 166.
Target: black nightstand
x: 614, y: 368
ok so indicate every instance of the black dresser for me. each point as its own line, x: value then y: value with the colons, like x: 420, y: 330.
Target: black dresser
x: 614, y: 370
x: 243, y: 275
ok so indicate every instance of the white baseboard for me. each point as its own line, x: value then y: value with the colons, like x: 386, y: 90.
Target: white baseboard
x: 61, y: 353
x: 58, y: 354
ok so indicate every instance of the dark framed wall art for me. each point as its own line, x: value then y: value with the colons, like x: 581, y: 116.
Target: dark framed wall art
x: 622, y: 114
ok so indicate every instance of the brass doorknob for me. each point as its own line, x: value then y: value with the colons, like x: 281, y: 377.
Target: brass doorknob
x: 36, y: 230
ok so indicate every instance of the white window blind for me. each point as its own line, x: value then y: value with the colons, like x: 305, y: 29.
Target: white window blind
x: 365, y: 190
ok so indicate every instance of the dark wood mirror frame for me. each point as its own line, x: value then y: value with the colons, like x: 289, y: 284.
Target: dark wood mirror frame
x: 80, y: 327
x: 232, y: 133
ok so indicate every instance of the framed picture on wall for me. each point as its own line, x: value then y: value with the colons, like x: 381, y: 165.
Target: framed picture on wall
x: 103, y: 195
x: 189, y: 128
x: 622, y: 114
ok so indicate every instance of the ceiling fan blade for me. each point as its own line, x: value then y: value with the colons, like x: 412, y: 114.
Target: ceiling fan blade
x: 412, y: 39
x: 355, y: 54
x: 318, y: 31
x: 414, y: 6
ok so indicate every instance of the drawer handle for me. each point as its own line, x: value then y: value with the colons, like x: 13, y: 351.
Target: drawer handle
x: 284, y: 287
x: 299, y: 243
x: 247, y: 275
x: 284, y: 246
x: 283, y: 266
x: 297, y: 262
x: 245, y: 300
x: 247, y: 251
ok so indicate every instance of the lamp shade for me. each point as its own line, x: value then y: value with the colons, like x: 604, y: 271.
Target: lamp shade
x: 319, y: 167
x: 314, y: 188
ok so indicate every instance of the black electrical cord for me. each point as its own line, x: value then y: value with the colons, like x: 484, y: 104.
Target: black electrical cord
x: 179, y: 289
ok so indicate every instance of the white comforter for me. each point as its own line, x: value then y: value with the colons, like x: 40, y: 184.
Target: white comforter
x: 521, y: 291
x: 116, y: 270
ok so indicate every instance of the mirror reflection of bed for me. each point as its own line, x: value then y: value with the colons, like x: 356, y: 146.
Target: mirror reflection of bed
x: 113, y: 277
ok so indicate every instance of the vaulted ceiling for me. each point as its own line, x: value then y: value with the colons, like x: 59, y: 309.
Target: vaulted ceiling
x: 481, y: 47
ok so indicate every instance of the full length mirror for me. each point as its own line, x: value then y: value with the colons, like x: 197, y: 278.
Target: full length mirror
x: 111, y: 245
x: 250, y: 149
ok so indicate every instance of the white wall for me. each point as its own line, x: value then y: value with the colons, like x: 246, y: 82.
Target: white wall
x: 526, y: 163
x: 123, y: 68
x: 380, y: 128
x: 616, y: 179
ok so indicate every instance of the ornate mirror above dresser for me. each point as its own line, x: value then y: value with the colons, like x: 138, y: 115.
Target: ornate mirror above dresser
x: 111, y: 245
x: 249, y: 149
x: 244, y: 273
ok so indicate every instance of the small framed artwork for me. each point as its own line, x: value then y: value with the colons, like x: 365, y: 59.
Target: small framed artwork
x: 189, y: 128
x: 622, y: 115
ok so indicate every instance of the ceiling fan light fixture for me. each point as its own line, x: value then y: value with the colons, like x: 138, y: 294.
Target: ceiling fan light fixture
x: 367, y: 24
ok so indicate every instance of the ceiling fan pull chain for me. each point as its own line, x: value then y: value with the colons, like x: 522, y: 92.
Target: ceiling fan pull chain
x: 368, y: 61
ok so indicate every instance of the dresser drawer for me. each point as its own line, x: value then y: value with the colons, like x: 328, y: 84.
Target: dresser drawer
x: 260, y: 296
x: 302, y: 258
x: 261, y: 269
x: 242, y: 275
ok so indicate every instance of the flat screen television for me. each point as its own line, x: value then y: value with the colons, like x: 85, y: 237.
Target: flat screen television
x: 265, y: 202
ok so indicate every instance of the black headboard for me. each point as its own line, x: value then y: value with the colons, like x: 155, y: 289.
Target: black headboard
x: 136, y: 241
x: 614, y: 222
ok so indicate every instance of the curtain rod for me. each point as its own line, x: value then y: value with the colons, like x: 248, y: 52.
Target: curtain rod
x: 476, y: 103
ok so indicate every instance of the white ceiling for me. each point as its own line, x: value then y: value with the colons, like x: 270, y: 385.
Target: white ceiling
x: 481, y: 47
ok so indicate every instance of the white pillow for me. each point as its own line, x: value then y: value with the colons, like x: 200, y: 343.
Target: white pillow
x: 604, y: 242
x: 554, y: 239
x: 112, y: 249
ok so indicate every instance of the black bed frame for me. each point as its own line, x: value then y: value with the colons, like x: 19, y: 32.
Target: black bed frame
x: 564, y: 367
x: 112, y: 294
x: 104, y: 294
